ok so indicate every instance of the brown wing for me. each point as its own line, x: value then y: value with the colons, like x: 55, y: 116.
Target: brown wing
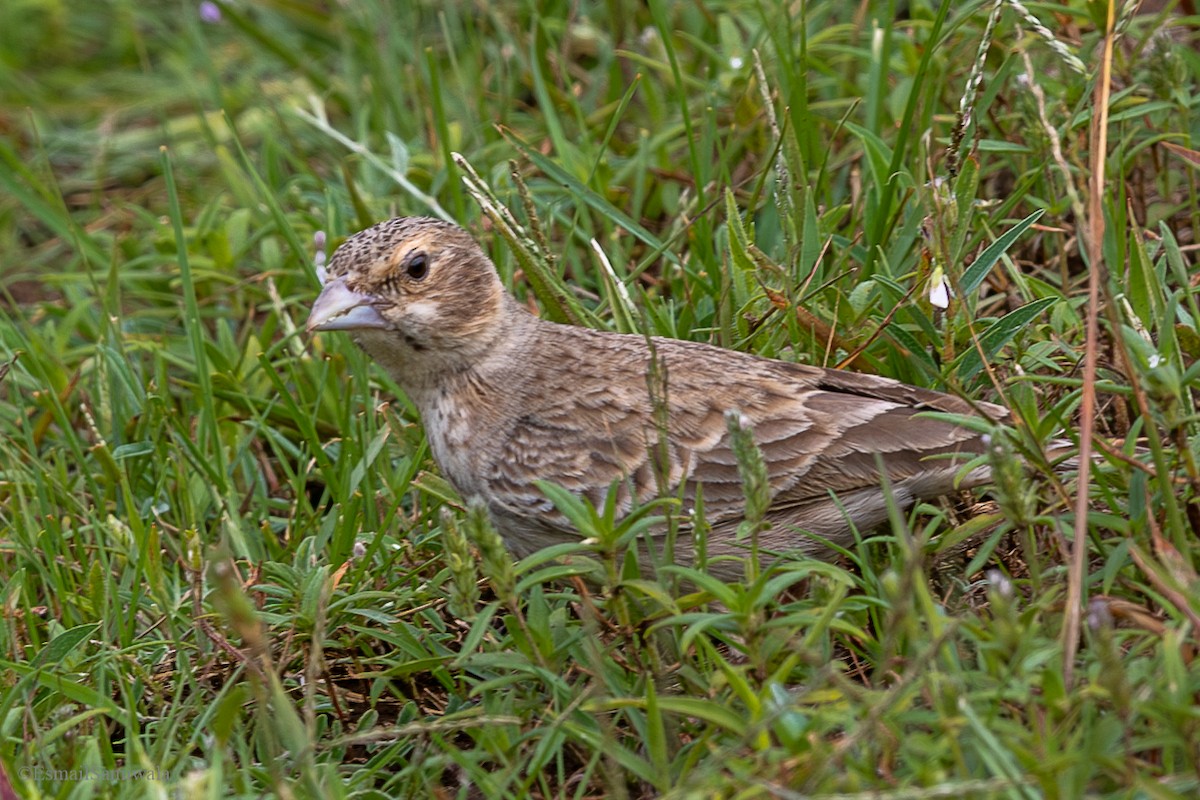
x: 819, y: 430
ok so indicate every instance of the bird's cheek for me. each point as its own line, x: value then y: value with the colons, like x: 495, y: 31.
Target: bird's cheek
x: 420, y: 321
x: 421, y: 314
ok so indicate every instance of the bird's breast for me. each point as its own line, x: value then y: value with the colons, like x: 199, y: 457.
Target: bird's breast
x: 461, y: 421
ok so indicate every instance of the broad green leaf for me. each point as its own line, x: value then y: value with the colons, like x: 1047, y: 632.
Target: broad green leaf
x: 999, y: 334
x: 974, y: 274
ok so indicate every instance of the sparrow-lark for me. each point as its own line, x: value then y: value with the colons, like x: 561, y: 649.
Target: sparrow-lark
x: 508, y: 399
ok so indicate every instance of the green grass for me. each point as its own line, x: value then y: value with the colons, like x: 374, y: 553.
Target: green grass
x: 226, y: 554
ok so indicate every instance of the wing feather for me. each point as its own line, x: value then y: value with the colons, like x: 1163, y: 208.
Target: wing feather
x: 819, y: 431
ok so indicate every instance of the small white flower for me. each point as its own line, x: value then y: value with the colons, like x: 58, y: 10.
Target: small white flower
x: 1099, y: 616
x: 939, y: 292
x: 1155, y: 360
x: 320, y: 258
x: 1001, y: 583
x: 736, y: 62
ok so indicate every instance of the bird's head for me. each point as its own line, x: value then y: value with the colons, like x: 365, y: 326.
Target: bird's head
x: 418, y: 294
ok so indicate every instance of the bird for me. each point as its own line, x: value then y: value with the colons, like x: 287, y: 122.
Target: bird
x: 509, y: 400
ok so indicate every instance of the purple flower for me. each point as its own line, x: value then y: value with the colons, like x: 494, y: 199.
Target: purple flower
x: 210, y: 12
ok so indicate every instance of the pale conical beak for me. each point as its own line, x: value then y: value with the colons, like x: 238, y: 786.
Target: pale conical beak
x: 338, y: 308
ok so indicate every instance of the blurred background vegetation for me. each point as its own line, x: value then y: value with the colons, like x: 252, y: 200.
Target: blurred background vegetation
x: 227, y: 558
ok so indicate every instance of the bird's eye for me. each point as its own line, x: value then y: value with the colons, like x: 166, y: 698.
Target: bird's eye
x: 417, y: 266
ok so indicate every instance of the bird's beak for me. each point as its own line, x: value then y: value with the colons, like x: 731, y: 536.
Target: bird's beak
x: 338, y: 308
